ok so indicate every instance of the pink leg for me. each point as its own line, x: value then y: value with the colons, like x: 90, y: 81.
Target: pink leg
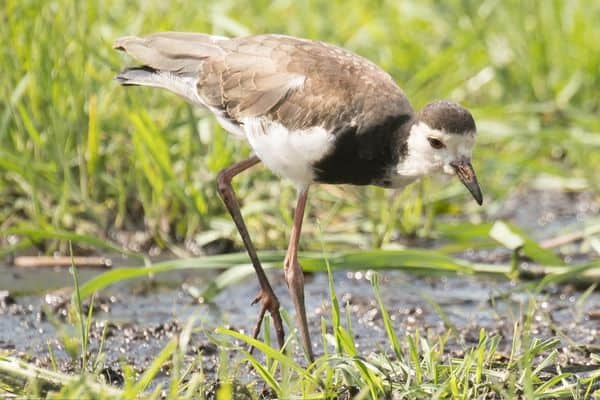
x: 266, y: 296
x: 294, y: 275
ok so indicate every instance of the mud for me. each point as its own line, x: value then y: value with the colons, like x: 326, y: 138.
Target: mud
x: 137, y: 326
x: 138, y: 318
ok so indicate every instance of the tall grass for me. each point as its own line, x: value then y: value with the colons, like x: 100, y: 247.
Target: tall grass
x: 78, y: 153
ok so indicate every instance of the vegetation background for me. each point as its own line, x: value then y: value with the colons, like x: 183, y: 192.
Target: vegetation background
x: 112, y: 169
x: 80, y: 154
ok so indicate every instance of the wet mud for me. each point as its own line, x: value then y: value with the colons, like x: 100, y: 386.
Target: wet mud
x: 138, y: 318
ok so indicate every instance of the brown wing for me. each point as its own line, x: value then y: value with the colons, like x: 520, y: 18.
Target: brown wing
x: 248, y: 80
x: 177, y: 52
x: 301, y: 84
x: 297, y: 82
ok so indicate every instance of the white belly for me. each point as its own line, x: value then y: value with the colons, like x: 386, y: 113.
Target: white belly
x: 290, y: 154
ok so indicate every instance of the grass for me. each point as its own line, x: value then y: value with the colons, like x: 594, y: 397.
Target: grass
x: 416, y: 365
x: 86, y: 162
x: 79, y: 154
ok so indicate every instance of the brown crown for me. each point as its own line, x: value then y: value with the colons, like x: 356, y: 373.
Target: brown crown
x: 448, y: 116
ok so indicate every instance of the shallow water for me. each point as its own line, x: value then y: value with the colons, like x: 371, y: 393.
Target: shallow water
x: 141, y: 318
x: 142, y: 315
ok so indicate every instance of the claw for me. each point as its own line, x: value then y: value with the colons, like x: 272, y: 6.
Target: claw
x: 256, y: 299
x: 270, y: 303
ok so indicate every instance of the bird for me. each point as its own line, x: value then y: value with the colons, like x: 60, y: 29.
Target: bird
x: 313, y: 113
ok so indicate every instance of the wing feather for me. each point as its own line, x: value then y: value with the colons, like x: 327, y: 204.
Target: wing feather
x: 297, y: 82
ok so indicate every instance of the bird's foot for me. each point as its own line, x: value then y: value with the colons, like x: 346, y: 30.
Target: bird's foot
x: 268, y: 302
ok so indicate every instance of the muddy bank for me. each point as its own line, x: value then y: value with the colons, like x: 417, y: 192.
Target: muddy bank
x: 140, y: 320
x: 139, y: 317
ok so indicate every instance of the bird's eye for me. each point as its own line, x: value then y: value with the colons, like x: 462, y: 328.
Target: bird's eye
x: 436, y: 143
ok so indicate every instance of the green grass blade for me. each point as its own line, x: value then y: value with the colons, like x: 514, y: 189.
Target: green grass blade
x: 387, y: 322
x: 153, y: 369
x: 271, y: 352
x: 93, y: 138
x: 210, y: 262
x: 264, y: 373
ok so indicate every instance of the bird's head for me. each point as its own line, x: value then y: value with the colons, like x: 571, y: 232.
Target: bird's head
x: 441, y: 139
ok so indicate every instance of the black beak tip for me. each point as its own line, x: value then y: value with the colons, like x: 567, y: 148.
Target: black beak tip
x: 475, y: 190
x: 467, y: 176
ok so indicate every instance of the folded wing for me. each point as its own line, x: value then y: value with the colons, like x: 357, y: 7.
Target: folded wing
x: 297, y: 82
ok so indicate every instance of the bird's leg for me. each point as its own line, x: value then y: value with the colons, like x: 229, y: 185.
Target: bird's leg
x: 293, y: 273
x: 266, y: 296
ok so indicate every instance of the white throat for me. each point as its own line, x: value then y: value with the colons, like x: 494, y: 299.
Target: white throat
x: 422, y: 159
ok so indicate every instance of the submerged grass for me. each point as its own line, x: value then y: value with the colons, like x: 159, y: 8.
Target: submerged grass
x: 426, y: 262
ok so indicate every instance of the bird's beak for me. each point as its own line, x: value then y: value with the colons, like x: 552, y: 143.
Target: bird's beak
x: 466, y: 174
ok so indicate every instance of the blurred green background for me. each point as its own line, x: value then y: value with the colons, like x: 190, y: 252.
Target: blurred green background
x: 82, y: 158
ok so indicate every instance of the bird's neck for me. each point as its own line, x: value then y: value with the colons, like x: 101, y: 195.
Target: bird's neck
x: 414, y: 159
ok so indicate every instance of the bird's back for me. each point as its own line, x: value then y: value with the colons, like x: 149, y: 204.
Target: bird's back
x: 298, y: 84
x: 297, y: 81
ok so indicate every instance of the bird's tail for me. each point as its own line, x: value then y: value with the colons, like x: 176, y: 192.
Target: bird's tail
x: 170, y: 60
x: 182, y: 85
x: 144, y: 76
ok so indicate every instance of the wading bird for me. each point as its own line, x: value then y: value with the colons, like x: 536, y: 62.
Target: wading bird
x: 311, y: 112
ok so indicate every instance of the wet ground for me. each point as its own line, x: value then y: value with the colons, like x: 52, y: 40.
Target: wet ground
x: 141, y: 319
x: 141, y: 316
